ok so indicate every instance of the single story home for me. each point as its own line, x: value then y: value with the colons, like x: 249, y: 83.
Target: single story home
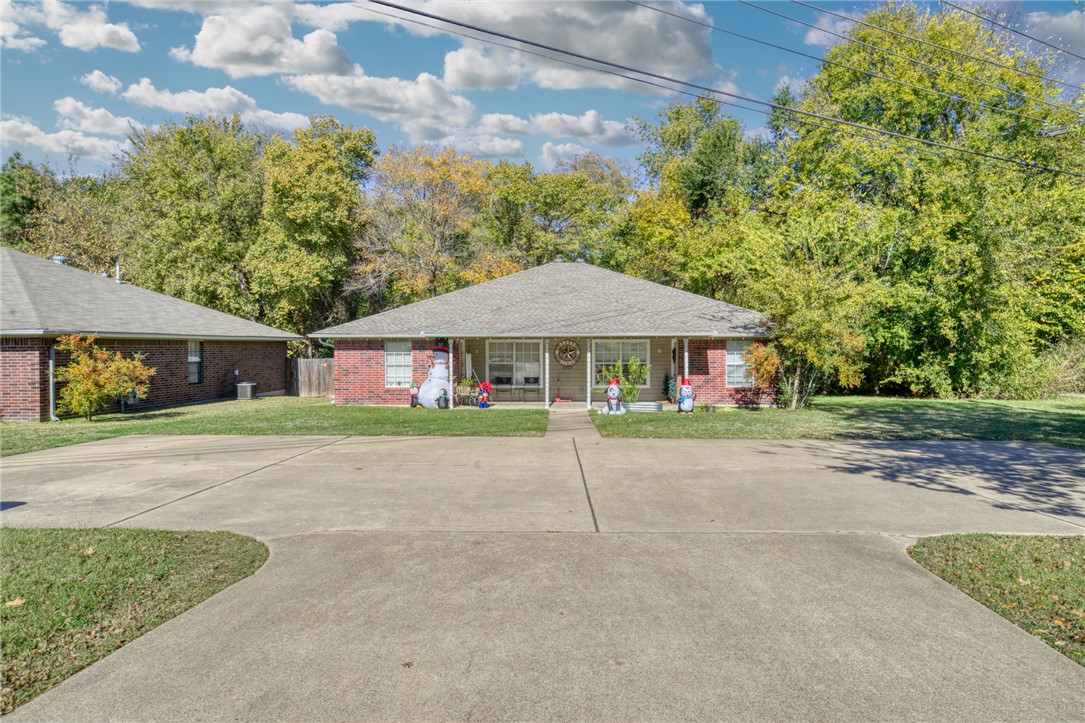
x: 545, y: 334
x: 199, y: 353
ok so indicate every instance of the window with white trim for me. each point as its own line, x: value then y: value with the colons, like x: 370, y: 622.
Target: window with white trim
x: 195, y: 362
x: 611, y: 352
x: 514, y: 363
x: 739, y: 373
x: 398, y: 368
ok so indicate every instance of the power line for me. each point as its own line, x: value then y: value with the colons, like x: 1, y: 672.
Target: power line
x: 909, y: 59
x: 704, y: 88
x: 951, y: 96
x: 935, y: 45
x: 885, y: 142
x: 1012, y: 30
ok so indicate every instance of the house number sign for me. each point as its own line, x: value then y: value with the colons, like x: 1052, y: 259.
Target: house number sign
x: 567, y: 352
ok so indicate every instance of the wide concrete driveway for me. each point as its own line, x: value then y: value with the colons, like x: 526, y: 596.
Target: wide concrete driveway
x: 567, y: 578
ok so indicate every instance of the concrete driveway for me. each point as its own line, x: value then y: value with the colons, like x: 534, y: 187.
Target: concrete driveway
x: 567, y: 578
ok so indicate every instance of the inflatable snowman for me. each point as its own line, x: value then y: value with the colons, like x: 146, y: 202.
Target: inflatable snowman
x: 686, y: 397
x: 614, y: 398
x: 436, y: 385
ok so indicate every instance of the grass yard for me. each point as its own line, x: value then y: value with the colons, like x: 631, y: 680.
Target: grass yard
x: 1059, y: 421
x: 276, y: 415
x: 1037, y: 583
x: 71, y: 597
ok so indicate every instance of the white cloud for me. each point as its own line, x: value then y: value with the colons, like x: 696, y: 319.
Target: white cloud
x: 796, y: 84
x: 482, y: 145
x: 482, y: 69
x: 219, y: 101
x: 99, y: 81
x: 554, y: 154
x: 590, y: 127
x: 84, y: 30
x: 818, y: 37
x: 75, y: 115
x: 260, y: 41
x: 423, y: 107
x: 503, y: 123
x: 15, y: 37
x: 333, y: 16
x: 67, y: 142
x: 1067, y: 30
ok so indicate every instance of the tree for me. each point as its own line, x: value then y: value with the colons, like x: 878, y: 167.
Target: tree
x: 23, y: 189
x: 95, y: 377
x: 194, y: 192
x: 79, y: 218
x: 302, y: 258
x: 979, y: 271
x: 420, y: 225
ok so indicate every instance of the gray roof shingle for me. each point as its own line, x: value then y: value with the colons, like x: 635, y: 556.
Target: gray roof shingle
x: 560, y: 299
x: 44, y: 298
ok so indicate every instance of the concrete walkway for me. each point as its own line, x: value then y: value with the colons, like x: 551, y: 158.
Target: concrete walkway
x: 571, y: 420
x: 551, y: 578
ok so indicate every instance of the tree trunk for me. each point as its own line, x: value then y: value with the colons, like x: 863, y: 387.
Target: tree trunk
x: 796, y: 390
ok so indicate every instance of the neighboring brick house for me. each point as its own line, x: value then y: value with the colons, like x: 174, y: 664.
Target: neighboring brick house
x: 198, y: 353
x: 546, y: 332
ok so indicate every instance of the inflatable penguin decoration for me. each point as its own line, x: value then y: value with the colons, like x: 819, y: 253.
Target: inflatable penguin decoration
x: 686, y: 397
x: 614, y: 398
x: 436, y: 385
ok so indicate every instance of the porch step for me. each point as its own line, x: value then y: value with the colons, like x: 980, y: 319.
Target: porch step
x: 571, y: 423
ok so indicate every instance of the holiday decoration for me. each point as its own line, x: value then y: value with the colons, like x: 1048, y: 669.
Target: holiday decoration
x: 614, y: 398
x: 414, y: 395
x: 484, y: 389
x: 686, y: 397
x: 436, y: 383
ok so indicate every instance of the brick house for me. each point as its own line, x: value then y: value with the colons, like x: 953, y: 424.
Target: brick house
x: 198, y: 353
x: 545, y: 333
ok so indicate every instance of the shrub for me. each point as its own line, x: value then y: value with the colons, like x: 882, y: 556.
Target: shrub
x: 1058, y: 370
x: 632, y: 375
x: 94, y: 376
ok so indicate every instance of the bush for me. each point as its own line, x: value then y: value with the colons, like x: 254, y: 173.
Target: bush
x: 94, y: 377
x: 632, y: 375
x: 1058, y: 370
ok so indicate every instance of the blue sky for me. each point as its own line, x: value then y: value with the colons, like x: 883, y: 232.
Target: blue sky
x: 76, y: 75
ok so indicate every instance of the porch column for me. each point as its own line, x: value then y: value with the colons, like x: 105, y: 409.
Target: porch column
x: 685, y: 361
x: 589, y: 373
x: 451, y: 375
x: 546, y: 377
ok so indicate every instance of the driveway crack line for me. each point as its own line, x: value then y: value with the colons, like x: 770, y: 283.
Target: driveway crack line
x: 584, y: 479
x: 232, y: 479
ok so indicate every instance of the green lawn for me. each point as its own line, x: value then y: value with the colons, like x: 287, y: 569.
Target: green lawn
x: 1053, y: 421
x: 71, y: 597
x: 1037, y: 583
x: 277, y: 415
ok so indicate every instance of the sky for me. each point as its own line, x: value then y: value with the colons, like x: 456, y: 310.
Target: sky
x: 76, y: 77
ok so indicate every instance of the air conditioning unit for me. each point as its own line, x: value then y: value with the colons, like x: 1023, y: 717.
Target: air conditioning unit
x: 246, y: 390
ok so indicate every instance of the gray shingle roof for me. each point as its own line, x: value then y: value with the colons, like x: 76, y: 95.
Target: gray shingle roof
x: 560, y: 299
x: 44, y: 298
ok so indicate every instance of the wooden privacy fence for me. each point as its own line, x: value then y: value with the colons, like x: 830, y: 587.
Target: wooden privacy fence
x: 313, y: 377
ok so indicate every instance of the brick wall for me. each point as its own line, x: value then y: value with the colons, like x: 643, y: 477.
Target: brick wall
x: 24, y: 380
x: 708, y: 373
x: 260, y: 362
x: 359, y: 371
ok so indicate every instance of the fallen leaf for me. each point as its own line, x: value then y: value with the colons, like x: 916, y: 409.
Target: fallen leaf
x: 408, y: 664
x: 90, y: 551
x: 16, y: 603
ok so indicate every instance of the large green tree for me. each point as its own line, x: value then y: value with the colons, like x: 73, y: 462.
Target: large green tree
x: 23, y: 191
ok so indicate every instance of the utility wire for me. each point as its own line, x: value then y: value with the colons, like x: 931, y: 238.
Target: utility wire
x: 907, y: 58
x: 1012, y: 30
x: 935, y: 45
x: 951, y: 96
x: 885, y: 142
x: 704, y: 88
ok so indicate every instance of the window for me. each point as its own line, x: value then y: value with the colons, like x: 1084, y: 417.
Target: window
x: 514, y: 363
x: 397, y: 364
x: 739, y: 373
x: 195, y: 362
x: 609, y: 353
